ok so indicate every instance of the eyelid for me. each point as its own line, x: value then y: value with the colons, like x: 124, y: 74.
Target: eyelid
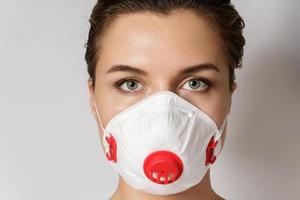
x: 128, y: 78
x: 205, y: 80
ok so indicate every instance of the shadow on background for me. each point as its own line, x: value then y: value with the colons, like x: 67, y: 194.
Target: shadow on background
x: 266, y: 122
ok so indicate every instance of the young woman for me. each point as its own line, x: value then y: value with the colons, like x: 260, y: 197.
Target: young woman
x: 161, y: 82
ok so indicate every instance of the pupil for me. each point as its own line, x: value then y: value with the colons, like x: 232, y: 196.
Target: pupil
x: 194, y: 84
x: 131, y: 84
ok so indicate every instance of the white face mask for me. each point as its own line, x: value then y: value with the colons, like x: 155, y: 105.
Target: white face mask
x: 163, y: 144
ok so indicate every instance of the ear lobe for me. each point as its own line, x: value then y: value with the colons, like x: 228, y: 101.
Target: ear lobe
x: 92, y: 105
x: 94, y: 112
x: 230, y: 104
x: 91, y: 99
x: 234, y: 87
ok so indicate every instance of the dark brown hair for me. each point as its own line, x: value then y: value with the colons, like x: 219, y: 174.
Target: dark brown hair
x: 221, y: 13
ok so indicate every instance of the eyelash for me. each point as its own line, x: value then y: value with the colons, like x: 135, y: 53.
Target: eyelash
x: 133, y: 78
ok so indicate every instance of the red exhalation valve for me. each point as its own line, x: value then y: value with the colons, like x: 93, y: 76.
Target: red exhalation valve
x: 112, y: 152
x: 210, y: 157
x: 163, y: 167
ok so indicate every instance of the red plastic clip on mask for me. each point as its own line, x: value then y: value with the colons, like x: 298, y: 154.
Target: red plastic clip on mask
x: 112, y: 153
x: 210, y: 157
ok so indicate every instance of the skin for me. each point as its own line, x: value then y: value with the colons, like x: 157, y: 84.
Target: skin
x: 162, y: 46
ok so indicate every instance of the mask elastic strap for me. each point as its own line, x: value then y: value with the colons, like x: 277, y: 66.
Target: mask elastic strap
x: 220, y: 131
x: 218, y: 137
x: 98, y: 116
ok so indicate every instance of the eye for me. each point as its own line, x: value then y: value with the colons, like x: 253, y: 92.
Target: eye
x: 197, y: 84
x: 129, y: 85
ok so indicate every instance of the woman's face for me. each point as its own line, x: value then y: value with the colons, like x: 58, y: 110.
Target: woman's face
x: 158, y: 52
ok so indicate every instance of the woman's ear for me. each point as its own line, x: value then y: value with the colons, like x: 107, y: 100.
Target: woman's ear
x: 92, y: 103
x: 234, y: 87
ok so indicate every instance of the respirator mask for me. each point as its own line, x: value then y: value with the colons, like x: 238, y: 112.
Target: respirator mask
x: 162, y: 144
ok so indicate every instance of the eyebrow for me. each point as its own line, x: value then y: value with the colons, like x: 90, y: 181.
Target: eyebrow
x: 187, y: 70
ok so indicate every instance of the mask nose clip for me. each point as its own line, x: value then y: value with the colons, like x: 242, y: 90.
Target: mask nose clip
x: 163, y: 167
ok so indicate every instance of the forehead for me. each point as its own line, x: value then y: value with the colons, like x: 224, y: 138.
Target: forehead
x: 147, y: 39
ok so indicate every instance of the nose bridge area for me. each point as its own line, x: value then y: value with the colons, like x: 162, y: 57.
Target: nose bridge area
x: 163, y: 83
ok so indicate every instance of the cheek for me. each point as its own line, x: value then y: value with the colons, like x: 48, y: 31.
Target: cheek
x: 111, y: 102
x: 215, y: 105
x: 107, y: 108
x: 218, y: 109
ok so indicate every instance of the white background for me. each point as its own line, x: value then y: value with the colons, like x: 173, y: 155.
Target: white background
x: 49, y: 145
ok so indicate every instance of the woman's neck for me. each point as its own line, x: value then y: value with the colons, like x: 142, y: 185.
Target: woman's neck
x: 201, y: 191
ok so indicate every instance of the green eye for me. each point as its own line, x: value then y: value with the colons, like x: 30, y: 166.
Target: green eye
x: 195, y: 84
x: 129, y: 85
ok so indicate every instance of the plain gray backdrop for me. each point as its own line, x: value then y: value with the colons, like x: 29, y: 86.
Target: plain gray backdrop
x: 49, y: 145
